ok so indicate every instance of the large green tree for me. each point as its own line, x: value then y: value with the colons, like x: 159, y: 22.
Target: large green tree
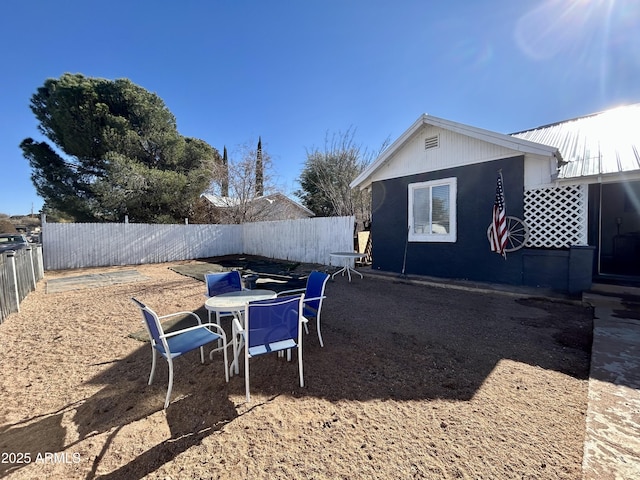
x: 115, y: 150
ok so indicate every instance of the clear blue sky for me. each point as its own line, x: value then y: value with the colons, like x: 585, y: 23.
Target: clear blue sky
x: 291, y: 71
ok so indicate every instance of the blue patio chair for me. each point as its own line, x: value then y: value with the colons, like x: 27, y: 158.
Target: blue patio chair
x: 313, y: 297
x: 270, y: 326
x: 175, y: 344
x: 224, y: 282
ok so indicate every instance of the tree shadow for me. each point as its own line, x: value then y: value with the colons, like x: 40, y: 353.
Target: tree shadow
x: 190, y: 422
x: 200, y: 406
x: 26, y: 437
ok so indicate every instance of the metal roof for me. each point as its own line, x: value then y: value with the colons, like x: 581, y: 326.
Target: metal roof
x: 225, y: 202
x: 220, y: 201
x: 605, y: 143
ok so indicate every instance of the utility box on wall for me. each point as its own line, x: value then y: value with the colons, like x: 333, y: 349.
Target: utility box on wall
x: 580, y: 268
x: 569, y: 270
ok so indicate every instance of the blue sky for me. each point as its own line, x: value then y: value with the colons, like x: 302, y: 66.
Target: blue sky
x: 291, y: 71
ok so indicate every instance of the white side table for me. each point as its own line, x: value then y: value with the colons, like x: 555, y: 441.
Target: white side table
x: 347, y: 257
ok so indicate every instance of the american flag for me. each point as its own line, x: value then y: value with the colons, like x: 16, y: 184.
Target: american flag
x: 499, y: 223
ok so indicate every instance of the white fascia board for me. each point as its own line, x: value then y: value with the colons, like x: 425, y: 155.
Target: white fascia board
x: 616, y: 177
x: 507, y: 141
x: 364, y: 179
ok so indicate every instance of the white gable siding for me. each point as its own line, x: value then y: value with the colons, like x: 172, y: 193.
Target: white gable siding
x: 454, y: 150
x: 538, y: 172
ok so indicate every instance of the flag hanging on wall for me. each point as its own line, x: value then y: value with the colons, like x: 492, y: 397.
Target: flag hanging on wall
x: 499, y: 223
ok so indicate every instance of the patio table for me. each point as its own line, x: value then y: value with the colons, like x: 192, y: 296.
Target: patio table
x: 235, y: 303
x: 347, y: 257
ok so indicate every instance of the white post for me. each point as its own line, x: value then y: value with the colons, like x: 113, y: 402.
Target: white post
x: 40, y: 261
x: 186, y: 221
x: 12, y: 265
x: 126, y: 219
x: 33, y: 272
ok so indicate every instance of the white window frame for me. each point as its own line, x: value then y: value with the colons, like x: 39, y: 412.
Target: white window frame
x: 452, y: 183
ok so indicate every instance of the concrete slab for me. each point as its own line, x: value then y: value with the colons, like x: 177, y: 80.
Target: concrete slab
x: 95, y: 280
x: 612, y: 437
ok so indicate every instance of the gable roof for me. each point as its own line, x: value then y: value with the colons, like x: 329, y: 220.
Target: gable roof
x: 279, y: 200
x: 511, y: 142
x: 604, y: 143
x: 283, y: 199
x: 220, y: 201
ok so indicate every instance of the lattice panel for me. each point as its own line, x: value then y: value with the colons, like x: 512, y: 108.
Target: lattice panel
x: 556, y: 217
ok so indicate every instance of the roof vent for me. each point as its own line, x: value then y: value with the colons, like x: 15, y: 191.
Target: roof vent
x: 432, y: 142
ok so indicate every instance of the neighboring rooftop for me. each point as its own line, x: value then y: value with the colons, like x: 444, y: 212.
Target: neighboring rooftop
x: 275, y: 206
x: 220, y: 201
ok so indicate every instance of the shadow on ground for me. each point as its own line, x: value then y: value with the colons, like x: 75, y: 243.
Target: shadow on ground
x: 384, y: 339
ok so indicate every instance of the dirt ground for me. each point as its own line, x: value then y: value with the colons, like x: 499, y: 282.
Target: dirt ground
x: 413, y: 382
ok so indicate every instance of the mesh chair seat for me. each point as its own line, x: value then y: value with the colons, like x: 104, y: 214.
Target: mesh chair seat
x: 181, y: 344
x: 271, y: 347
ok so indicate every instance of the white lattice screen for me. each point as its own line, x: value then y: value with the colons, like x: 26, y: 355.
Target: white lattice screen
x: 556, y: 217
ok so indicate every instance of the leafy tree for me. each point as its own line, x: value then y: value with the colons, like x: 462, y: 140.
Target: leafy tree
x: 54, y: 216
x: 116, y: 151
x: 327, y: 174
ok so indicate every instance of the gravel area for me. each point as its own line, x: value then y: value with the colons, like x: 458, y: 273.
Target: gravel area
x: 414, y: 381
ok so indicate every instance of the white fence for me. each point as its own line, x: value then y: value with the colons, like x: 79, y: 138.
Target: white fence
x: 19, y: 273
x: 308, y: 240
x: 77, y: 245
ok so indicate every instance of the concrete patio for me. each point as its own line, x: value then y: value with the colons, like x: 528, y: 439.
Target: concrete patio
x: 612, y: 444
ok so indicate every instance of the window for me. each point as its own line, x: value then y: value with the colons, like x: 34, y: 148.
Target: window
x: 432, y: 211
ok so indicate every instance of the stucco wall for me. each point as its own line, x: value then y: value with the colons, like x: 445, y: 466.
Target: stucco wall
x: 470, y: 256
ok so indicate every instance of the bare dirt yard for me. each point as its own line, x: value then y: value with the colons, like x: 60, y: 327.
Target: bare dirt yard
x: 414, y: 381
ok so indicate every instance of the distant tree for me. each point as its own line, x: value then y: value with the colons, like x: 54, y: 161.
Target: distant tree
x: 224, y: 177
x: 27, y: 221
x: 249, y: 177
x: 55, y: 216
x: 259, y: 170
x: 5, y: 224
x: 115, y: 151
x: 327, y: 174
